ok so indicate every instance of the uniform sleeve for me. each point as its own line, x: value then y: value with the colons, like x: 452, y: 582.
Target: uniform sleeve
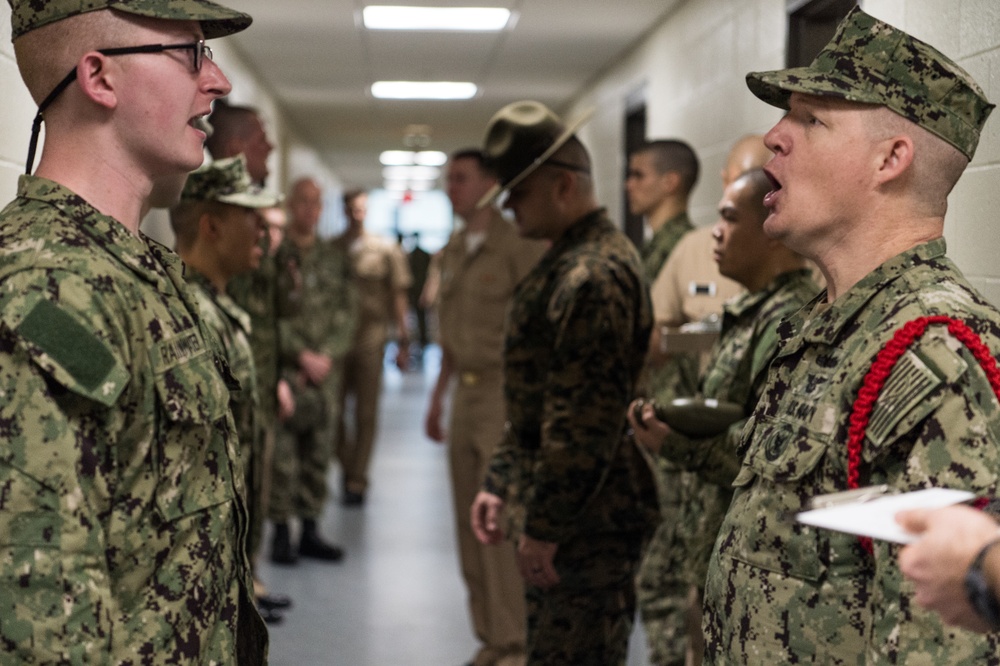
x: 344, y: 309
x: 57, y: 376
x: 402, y: 277
x: 949, y: 438
x: 588, y: 385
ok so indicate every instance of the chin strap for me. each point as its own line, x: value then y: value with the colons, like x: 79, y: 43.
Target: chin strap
x: 877, y: 375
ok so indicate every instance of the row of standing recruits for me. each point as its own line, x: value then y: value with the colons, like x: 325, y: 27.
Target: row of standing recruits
x: 265, y: 294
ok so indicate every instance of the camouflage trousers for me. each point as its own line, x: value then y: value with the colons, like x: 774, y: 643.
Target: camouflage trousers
x: 301, y: 461
x: 586, y: 619
x: 662, y: 583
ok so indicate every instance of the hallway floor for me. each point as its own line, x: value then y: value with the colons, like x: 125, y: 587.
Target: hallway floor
x: 397, y: 598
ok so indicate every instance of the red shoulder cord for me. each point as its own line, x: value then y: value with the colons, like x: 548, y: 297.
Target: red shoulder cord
x: 886, y: 359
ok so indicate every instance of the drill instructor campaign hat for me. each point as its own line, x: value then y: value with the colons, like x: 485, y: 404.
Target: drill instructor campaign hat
x: 227, y: 181
x: 216, y: 20
x: 520, y: 138
x: 873, y: 62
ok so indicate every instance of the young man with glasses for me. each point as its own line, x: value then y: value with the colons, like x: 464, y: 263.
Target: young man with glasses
x: 122, y: 500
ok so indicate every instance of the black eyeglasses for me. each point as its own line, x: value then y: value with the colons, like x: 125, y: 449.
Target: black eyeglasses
x: 199, y: 49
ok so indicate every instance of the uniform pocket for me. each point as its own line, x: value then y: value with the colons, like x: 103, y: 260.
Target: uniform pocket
x: 191, y: 455
x: 769, y: 496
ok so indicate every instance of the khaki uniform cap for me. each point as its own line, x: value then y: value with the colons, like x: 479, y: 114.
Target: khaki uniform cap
x: 872, y: 62
x: 216, y: 20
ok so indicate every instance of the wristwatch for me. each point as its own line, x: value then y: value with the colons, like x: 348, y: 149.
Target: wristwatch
x: 977, y: 589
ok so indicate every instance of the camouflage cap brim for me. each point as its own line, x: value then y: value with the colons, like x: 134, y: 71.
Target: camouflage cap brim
x: 216, y: 20
x: 227, y: 181
x: 253, y: 198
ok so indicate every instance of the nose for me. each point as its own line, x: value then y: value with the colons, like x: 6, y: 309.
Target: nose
x: 213, y: 81
x: 718, y: 230
x: 776, y: 139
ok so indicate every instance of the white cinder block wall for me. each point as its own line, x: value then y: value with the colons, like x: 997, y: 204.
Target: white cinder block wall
x: 691, y: 69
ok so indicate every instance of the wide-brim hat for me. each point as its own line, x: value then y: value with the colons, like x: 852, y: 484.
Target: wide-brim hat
x: 227, y: 181
x: 872, y: 62
x: 216, y: 20
x: 520, y: 138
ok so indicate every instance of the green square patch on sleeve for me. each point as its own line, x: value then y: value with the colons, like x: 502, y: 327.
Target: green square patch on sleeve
x: 68, y: 344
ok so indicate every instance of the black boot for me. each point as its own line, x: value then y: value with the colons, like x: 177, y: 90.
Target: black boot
x: 311, y: 545
x: 281, y: 546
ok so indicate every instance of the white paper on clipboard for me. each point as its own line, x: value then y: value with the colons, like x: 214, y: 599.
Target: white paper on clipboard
x: 876, y: 518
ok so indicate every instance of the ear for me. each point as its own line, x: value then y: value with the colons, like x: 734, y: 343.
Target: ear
x: 672, y: 180
x: 208, y: 227
x: 96, y: 82
x: 894, y: 158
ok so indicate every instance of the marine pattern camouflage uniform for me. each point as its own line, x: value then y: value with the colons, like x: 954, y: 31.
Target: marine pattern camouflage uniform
x: 661, y: 585
x: 735, y: 373
x: 781, y: 592
x: 577, y: 333
x: 325, y: 323
x: 121, y: 492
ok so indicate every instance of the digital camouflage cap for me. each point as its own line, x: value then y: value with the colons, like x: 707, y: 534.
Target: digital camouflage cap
x: 227, y: 181
x: 872, y: 62
x: 216, y: 20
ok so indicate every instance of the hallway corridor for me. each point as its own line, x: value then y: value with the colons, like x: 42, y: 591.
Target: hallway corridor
x: 397, y: 598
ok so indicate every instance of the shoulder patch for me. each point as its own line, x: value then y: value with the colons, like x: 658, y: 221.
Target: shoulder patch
x: 73, y: 349
x: 918, y: 373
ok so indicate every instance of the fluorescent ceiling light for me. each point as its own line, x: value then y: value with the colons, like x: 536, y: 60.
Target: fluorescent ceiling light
x: 391, y: 17
x: 423, y: 90
x: 410, y: 173
x: 408, y: 157
x: 431, y: 158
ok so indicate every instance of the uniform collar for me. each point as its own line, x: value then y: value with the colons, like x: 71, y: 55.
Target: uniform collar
x: 820, y: 322
x: 147, y: 259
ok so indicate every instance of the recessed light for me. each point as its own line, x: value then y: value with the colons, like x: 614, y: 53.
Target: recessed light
x: 409, y: 157
x: 423, y: 90
x: 476, y: 19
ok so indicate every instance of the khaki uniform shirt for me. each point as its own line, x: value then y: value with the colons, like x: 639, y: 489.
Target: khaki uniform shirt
x: 380, y: 272
x: 121, y: 508
x: 782, y: 592
x: 475, y: 291
x: 689, y: 286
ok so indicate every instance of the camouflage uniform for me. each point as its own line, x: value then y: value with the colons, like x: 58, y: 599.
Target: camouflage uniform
x: 577, y: 333
x: 232, y: 327
x: 656, y: 252
x: 660, y: 585
x: 325, y: 323
x: 736, y: 374
x: 267, y: 295
x: 781, y: 592
x: 122, y: 503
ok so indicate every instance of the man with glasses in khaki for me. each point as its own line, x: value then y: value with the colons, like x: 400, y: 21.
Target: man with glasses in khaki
x: 122, y: 501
